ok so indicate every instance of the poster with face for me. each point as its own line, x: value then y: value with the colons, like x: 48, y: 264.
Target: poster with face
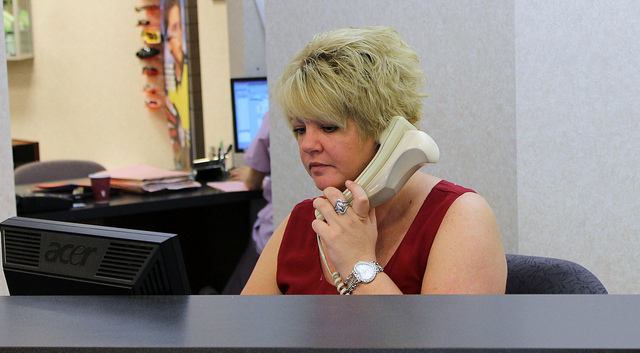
x: 176, y: 72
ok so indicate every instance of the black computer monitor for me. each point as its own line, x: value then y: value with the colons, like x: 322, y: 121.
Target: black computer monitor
x: 42, y: 257
x: 250, y: 98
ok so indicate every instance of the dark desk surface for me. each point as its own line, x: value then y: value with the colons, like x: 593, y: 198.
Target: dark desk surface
x: 357, y: 323
x: 127, y: 204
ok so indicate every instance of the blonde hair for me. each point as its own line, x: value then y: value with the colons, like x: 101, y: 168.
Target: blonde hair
x: 369, y: 74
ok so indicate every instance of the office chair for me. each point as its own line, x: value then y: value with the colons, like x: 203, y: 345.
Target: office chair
x: 40, y: 172
x: 544, y: 275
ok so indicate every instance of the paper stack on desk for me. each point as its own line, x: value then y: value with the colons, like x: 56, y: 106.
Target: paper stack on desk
x: 142, y: 178
x: 228, y: 186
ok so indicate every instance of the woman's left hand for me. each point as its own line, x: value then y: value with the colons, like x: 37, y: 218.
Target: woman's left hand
x: 350, y: 237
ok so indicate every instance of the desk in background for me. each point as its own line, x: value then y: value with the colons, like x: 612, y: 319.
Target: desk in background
x: 213, y: 226
x: 462, y: 323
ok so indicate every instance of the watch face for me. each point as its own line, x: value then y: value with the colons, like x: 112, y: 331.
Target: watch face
x: 365, y: 272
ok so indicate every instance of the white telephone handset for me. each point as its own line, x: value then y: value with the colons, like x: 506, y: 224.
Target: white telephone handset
x: 403, y: 150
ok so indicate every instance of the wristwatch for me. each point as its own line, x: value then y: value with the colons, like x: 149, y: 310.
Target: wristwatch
x: 363, y: 272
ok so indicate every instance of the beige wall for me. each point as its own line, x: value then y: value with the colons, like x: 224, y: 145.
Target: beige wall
x: 247, y: 33
x: 80, y: 97
x: 214, y: 63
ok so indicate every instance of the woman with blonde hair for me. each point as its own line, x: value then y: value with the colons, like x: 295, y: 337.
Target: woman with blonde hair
x: 338, y: 94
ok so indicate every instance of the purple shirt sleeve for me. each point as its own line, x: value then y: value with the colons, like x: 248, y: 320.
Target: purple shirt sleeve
x: 258, y: 155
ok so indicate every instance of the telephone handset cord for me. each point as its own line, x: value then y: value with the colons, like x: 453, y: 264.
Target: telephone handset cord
x: 337, y: 279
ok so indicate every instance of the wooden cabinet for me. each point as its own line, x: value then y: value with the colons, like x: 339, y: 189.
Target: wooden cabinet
x: 24, y: 152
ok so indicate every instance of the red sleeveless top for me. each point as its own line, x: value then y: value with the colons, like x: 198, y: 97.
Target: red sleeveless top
x: 300, y: 266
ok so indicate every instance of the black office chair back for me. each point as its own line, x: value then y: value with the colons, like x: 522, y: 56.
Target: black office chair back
x: 40, y: 172
x: 544, y: 275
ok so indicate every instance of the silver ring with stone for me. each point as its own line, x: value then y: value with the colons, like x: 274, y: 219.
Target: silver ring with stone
x: 341, y: 206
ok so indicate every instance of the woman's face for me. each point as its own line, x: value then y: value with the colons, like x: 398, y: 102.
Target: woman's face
x: 332, y: 155
x: 174, y: 34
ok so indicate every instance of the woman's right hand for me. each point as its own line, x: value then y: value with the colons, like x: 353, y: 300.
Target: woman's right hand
x: 239, y: 173
x: 349, y: 237
x: 249, y: 176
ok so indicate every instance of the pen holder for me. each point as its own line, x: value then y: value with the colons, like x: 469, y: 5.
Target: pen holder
x: 209, y: 169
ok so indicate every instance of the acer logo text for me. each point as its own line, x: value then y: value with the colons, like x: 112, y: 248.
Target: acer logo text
x: 68, y: 254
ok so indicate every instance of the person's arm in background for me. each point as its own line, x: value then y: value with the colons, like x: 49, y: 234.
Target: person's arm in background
x: 249, y: 176
x: 258, y: 158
